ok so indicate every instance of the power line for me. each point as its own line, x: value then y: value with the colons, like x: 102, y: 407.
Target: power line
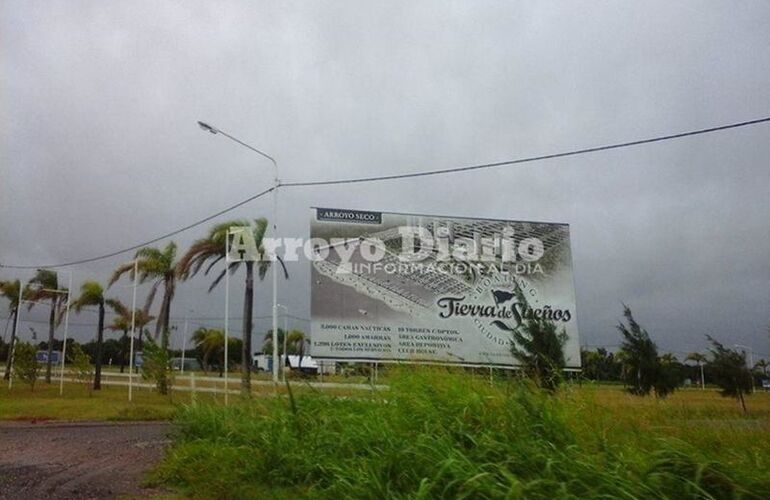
x: 45, y: 322
x: 531, y: 158
x: 468, y: 168
x: 148, y: 242
x: 213, y: 318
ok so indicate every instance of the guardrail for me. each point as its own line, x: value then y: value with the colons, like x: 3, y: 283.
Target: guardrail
x: 192, y: 381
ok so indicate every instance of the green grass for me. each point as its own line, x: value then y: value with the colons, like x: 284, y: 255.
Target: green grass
x: 110, y: 403
x: 441, y: 434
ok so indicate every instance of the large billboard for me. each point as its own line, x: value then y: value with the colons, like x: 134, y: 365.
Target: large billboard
x: 420, y: 288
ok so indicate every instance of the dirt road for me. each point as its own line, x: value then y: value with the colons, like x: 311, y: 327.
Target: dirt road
x: 85, y: 460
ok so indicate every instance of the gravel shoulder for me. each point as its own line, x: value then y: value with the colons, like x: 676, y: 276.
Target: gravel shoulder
x: 79, y: 460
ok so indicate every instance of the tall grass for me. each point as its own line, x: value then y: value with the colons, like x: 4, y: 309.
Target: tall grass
x: 436, y: 434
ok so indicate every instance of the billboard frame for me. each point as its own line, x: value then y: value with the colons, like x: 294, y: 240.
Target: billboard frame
x: 438, y: 362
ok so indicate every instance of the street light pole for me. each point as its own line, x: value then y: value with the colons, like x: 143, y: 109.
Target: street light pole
x: 66, y: 331
x: 227, y: 310
x: 12, y: 348
x: 276, y: 183
x: 133, y: 332
x: 285, y: 339
x: 184, y: 342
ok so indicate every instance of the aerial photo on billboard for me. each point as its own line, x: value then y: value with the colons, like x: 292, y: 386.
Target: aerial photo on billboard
x: 435, y: 289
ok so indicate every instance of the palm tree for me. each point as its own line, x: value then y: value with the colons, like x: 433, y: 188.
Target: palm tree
x: 47, y: 288
x: 92, y: 294
x: 267, y: 342
x: 211, y: 250
x: 122, y: 323
x: 297, y: 340
x: 700, y: 359
x: 160, y: 267
x: 141, y: 319
x: 210, y: 342
x: 669, y: 358
x: 10, y: 290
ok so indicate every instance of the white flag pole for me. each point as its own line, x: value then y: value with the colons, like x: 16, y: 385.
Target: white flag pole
x: 133, y: 333
x: 227, y: 305
x: 184, y: 342
x: 15, y: 338
x: 66, y: 331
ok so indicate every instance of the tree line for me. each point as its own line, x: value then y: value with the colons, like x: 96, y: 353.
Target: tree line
x: 163, y: 270
x: 539, y: 347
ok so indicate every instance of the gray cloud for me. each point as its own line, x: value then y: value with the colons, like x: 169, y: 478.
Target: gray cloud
x: 100, y: 148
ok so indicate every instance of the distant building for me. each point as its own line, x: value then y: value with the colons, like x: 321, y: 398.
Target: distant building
x: 190, y: 364
x: 264, y: 362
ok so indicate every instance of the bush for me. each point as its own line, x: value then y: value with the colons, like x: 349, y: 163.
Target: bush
x: 81, y: 368
x: 434, y: 434
x: 644, y: 371
x: 157, y: 365
x: 25, y: 365
x: 730, y: 373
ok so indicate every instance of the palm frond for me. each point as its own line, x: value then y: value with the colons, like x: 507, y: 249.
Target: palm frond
x: 213, y: 263
x: 232, y: 268
x: 212, y: 247
x: 260, y: 228
x: 46, y: 279
x: 117, y: 306
x: 128, y: 267
x: 91, y: 294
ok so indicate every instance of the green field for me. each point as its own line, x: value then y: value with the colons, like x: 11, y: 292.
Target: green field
x: 110, y: 403
x: 438, y: 433
x: 451, y: 435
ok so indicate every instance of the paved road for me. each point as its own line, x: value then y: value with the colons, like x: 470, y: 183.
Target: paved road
x: 85, y: 460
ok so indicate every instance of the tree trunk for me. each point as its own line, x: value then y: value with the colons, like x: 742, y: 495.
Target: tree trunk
x: 51, y: 323
x: 138, y: 347
x: 123, y: 351
x: 743, y: 401
x: 702, y: 377
x: 301, y: 354
x: 163, y: 379
x: 9, y: 359
x: 165, y: 313
x: 639, y: 380
x: 99, y: 341
x: 248, y: 310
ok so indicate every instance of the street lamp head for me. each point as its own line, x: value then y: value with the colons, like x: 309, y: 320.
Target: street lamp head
x: 208, y: 128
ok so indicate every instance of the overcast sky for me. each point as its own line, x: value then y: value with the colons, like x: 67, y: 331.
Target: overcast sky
x: 100, y: 149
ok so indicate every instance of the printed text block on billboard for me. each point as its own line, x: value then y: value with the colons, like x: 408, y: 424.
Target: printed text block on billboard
x: 416, y: 288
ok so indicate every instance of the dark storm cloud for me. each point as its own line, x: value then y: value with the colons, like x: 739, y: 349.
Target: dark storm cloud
x: 100, y: 148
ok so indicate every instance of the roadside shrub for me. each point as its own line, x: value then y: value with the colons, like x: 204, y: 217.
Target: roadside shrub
x: 157, y: 365
x: 25, y: 365
x: 81, y: 368
x: 435, y: 433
